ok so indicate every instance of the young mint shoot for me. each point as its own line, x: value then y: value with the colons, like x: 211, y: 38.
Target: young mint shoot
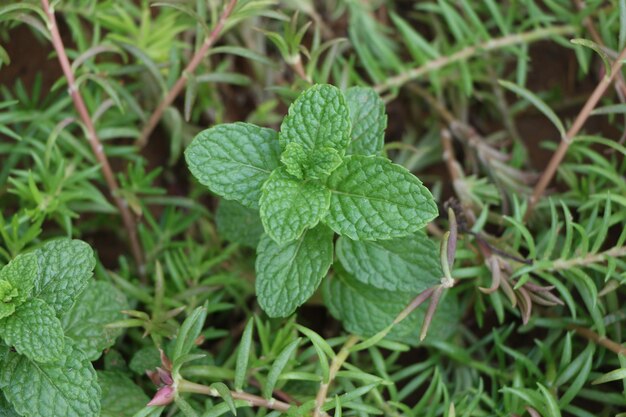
x: 322, y: 173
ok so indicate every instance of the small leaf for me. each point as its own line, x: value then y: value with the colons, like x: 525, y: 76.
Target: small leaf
x: 598, y: 49
x: 373, y: 198
x: 234, y: 160
x: 288, y: 275
x: 305, y: 164
x: 100, y: 304
x: 289, y: 206
x: 65, y: 267
x: 238, y: 223
x: 189, y: 332
x: 19, y: 279
x: 402, y: 264
x: 537, y: 102
x: 369, y: 120
x: 278, y: 366
x: 243, y: 356
x: 224, y: 392
x: 34, y: 331
x: 318, y: 118
x: 614, y: 375
x: 68, y: 387
x: 121, y: 397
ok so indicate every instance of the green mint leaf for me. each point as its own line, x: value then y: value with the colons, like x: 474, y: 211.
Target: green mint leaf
x: 289, y: 206
x: 288, y: 275
x: 234, y: 160
x: 34, y: 331
x: 121, y: 397
x: 67, y: 387
x: 17, y: 280
x: 403, y: 264
x: 238, y: 223
x: 6, y: 409
x: 373, y: 198
x: 366, y: 310
x: 305, y: 164
x: 98, y: 305
x: 369, y: 120
x: 65, y: 267
x: 318, y: 118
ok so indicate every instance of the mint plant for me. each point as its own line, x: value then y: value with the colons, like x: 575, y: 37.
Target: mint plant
x: 48, y: 343
x: 322, y: 174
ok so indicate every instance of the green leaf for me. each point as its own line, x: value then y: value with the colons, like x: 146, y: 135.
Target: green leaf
x: 403, y: 264
x: 278, y: 366
x: 234, y: 160
x: 243, y: 355
x: 537, y: 102
x: 598, y: 49
x: 373, y: 198
x: 145, y: 359
x: 34, y: 331
x: 17, y: 280
x: 305, y: 164
x: 189, y: 332
x: 6, y: 409
x: 65, y: 267
x: 238, y: 223
x: 614, y: 375
x: 369, y: 120
x: 225, y: 394
x: 289, y: 206
x: 366, y: 310
x: 121, y: 397
x: 100, y: 304
x: 318, y: 118
x: 67, y: 387
x: 288, y: 275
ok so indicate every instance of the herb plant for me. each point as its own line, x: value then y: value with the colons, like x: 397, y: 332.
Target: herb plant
x: 287, y: 261
x: 321, y: 174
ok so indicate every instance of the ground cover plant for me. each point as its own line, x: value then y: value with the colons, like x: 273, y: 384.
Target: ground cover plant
x: 312, y: 208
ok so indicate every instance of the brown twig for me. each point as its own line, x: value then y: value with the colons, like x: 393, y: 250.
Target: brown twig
x: 559, y: 154
x: 335, y: 365
x: 252, y: 400
x: 92, y: 137
x: 468, y: 52
x: 189, y: 69
x: 600, y: 340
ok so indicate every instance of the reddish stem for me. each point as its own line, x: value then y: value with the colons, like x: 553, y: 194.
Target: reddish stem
x: 92, y: 137
x: 182, y: 81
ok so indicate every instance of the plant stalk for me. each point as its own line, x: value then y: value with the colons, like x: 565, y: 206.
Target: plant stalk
x: 92, y: 137
x: 182, y: 81
x: 470, y: 51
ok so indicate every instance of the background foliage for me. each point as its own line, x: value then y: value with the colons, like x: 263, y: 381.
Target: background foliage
x: 479, y: 95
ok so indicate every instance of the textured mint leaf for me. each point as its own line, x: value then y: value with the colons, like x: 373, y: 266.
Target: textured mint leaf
x: 6, y: 409
x: 373, y: 198
x: 318, y: 118
x: 121, y: 397
x: 288, y: 275
x: 17, y: 280
x: 316, y: 164
x: 402, y: 264
x: 67, y: 387
x: 366, y: 310
x: 65, y: 267
x: 289, y: 206
x: 369, y: 120
x: 100, y: 304
x: 238, y: 223
x: 34, y: 331
x: 234, y: 160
